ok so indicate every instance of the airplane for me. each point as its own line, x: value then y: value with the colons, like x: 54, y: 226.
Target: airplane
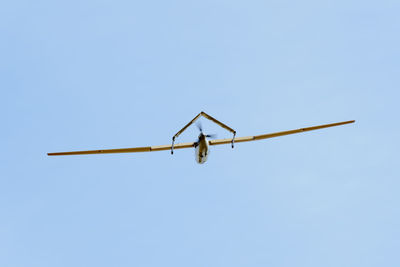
x: 202, y: 145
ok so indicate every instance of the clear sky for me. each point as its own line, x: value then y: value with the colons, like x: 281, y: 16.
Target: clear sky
x: 109, y: 74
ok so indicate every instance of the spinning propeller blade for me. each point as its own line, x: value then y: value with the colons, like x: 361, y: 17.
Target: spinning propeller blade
x: 199, y: 126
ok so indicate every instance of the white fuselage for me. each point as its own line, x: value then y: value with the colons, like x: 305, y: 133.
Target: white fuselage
x: 202, y: 150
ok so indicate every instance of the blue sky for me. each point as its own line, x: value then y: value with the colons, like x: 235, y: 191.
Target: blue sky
x: 109, y: 74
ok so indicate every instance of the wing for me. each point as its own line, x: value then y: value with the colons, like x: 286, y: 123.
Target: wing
x: 124, y: 150
x: 270, y: 135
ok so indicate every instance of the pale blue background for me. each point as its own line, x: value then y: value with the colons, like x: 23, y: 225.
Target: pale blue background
x: 109, y: 74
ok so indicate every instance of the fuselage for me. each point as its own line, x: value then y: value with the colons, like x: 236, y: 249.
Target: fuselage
x: 202, y: 149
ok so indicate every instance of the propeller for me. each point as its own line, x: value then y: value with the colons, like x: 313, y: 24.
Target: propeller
x: 200, y: 127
